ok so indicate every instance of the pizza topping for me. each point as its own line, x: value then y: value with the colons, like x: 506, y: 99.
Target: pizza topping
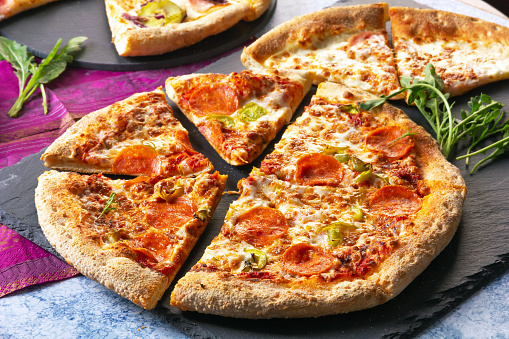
x: 363, y: 177
x: 350, y: 109
x: 256, y: 261
x: 260, y: 226
x: 137, y: 159
x: 307, y: 260
x: 203, y: 213
x: 319, y: 169
x: 159, y: 13
x: 107, y: 208
x: 170, y: 194
x: 171, y: 215
x: 390, y: 141
x: 224, y: 119
x: 395, y: 200
x: 335, y: 232
x: 216, y: 98
x: 251, y: 112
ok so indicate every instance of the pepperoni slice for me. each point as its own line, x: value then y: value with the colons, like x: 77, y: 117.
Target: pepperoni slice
x: 171, y: 215
x: 395, y: 200
x: 260, y: 226
x: 319, y: 169
x: 137, y: 159
x: 383, y: 139
x: 304, y: 259
x: 211, y: 130
x: 217, y: 98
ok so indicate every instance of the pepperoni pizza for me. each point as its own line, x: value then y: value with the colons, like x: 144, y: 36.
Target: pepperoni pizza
x: 240, y: 113
x: 349, y: 208
x: 130, y: 235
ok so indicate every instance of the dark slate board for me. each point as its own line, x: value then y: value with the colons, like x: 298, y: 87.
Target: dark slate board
x: 478, y: 253
x: 40, y: 28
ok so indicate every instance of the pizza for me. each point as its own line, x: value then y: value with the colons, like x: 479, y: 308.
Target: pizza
x: 132, y: 236
x: 9, y: 8
x: 349, y: 208
x: 135, y: 136
x: 238, y: 113
x: 160, y: 26
x: 348, y: 45
x: 466, y: 52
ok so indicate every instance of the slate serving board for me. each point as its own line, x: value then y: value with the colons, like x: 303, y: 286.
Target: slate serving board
x: 40, y: 28
x: 478, y: 253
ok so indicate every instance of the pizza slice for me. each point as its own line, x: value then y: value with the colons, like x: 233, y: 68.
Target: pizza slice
x: 135, y: 136
x: 240, y: 113
x: 160, y: 26
x: 9, y: 8
x: 466, y: 52
x: 319, y: 243
x: 130, y: 235
x: 347, y: 44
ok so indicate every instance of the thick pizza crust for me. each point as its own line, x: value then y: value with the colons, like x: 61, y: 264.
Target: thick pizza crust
x: 59, y: 217
x: 132, y: 41
x: 9, y: 8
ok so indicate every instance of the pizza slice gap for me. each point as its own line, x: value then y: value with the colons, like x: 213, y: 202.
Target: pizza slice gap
x: 135, y: 136
x: 141, y: 28
x: 348, y: 45
x: 290, y: 251
x: 132, y: 236
x: 239, y: 113
x: 466, y: 52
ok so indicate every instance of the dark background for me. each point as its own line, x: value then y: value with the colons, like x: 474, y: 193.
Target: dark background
x: 501, y: 5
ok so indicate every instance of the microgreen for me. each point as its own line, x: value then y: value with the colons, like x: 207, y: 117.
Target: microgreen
x: 407, y: 134
x: 107, y: 207
x: 482, y: 121
x: 33, y: 76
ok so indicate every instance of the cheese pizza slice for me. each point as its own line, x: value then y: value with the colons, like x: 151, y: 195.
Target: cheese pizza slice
x: 466, y: 52
x: 348, y: 45
x: 354, y: 208
x: 155, y: 27
x: 130, y: 235
x: 240, y: 113
x: 135, y: 136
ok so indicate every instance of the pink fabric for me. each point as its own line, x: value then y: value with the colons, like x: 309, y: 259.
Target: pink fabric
x: 23, y: 263
x: 72, y: 95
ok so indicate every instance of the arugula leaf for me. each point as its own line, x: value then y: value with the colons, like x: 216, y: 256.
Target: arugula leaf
x: 26, y: 69
x: 483, y: 121
x: 107, y: 207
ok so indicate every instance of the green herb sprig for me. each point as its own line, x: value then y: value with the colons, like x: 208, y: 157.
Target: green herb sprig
x: 107, y: 207
x: 32, y: 76
x: 482, y: 121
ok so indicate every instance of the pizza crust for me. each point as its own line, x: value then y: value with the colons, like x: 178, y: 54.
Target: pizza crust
x: 10, y: 8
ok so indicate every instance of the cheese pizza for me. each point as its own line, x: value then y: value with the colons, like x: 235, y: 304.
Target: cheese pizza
x: 240, y: 113
x: 346, y: 44
x: 349, y: 208
x: 466, y: 52
x: 135, y: 136
x: 160, y: 26
x: 130, y: 235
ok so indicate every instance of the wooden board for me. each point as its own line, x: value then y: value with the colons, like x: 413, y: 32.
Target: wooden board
x: 40, y: 28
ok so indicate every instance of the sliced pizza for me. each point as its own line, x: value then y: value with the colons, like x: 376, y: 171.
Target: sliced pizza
x: 135, y: 136
x: 239, y: 113
x: 466, y: 52
x: 9, y: 8
x: 347, y: 44
x: 319, y: 235
x: 130, y: 235
x: 155, y: 27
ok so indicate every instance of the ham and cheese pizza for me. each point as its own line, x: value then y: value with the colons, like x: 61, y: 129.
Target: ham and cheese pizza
x: 349, y: 208
x: 346, y: 44
x: 154, y: 27
x: 135, y: 136
x: 130, y: 235
x: 466, y: 52
x: 9, y: 8
x: 240, y: 113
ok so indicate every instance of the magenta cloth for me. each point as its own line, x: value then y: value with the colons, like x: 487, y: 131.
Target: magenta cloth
x: 24, y: 263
